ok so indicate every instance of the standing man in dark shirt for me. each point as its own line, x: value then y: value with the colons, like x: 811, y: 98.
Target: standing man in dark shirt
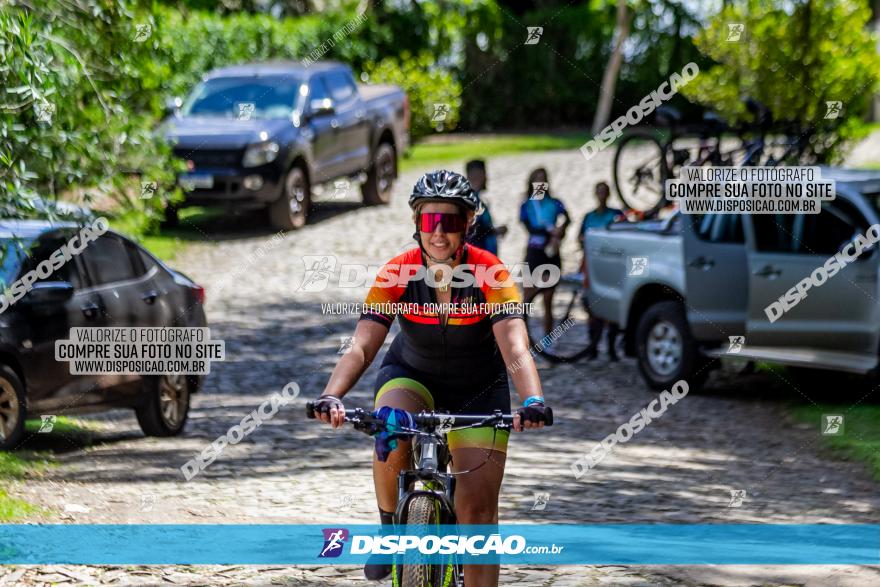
x: 484, y: 234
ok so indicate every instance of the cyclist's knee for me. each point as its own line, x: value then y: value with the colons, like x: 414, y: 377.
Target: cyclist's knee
x: 477, y: 511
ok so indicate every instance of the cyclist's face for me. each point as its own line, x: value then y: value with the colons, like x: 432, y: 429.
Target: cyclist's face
x: 439, y: 244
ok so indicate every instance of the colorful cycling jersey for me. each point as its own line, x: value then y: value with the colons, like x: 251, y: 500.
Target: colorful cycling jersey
x: 464, y: 348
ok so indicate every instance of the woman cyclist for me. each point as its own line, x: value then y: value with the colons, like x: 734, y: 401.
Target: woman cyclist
x: 455, y: 362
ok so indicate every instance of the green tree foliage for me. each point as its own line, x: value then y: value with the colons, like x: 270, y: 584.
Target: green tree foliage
x: 427, y: 85
x: 793, y: 57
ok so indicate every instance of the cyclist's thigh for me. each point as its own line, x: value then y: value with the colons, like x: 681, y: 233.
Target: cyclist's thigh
x: 399, y: 387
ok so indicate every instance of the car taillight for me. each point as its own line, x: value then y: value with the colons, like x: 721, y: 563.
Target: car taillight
x: 406, y: 112
x: 199, y: 292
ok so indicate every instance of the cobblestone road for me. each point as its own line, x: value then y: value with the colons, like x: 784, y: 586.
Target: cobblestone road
x: 680, y: 469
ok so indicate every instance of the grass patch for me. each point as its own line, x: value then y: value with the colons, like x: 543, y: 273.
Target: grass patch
x: 14, y: 509
x: 861, y: 430
x: 477, y: 147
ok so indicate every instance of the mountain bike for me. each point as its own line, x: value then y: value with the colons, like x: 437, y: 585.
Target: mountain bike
x: 434, y: 504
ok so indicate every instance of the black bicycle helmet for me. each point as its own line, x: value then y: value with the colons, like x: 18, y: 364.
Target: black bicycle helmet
x: 444, y: 186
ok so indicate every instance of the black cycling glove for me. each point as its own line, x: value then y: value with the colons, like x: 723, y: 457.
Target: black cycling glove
x: 325, y: 402
x: 534, y: 413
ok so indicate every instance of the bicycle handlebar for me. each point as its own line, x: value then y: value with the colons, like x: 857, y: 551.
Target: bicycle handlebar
x: 434, y: 419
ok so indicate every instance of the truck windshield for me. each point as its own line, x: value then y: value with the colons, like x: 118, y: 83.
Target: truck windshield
x: 243, y: 98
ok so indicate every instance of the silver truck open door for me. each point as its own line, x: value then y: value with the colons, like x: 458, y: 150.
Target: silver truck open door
x: 716, y: 275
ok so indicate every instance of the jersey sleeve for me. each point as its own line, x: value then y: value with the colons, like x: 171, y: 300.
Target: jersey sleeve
x: 503, y: 299
x: 386, y: 291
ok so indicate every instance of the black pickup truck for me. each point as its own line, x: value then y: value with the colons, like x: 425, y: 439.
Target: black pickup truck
x: 263, y: 135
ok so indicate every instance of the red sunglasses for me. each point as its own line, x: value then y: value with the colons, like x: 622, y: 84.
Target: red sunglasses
x: 429, y: 221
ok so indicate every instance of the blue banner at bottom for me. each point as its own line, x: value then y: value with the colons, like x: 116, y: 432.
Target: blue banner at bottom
x: 509, y: 544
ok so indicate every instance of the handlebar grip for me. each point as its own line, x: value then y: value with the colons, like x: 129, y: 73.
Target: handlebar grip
x: 310, y: 410
x: 548, y: 416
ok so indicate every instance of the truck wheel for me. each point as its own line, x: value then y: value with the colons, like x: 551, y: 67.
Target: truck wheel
x: 380, y: 178
x: 165, y: 406
x: 291, y: 210
x: 12, y: 408
x: 666, y: 350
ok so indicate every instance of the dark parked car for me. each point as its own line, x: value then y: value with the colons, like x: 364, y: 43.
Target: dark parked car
x: 262, y: 135
x: 112, y: 282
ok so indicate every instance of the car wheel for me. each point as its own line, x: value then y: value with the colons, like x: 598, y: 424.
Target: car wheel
x: 12, y: 408
x: 291, y: 210
x: 166, y: 405
x: 380, y: 178
x: 666, y: 350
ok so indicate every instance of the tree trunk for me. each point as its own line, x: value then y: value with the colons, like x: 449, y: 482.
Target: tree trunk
x: 612, y: 70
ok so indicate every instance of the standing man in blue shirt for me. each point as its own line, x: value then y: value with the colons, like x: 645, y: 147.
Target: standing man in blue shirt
x: 484, y: 234
x: 601, y: 217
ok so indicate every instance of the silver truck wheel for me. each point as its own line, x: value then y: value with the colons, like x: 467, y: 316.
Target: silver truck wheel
x: 291, y: 210
x: 666, y: 350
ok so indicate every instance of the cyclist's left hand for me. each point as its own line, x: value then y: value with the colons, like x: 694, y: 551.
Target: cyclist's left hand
x: 530, y: 417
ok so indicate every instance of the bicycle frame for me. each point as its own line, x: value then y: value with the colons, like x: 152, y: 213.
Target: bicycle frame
x: 429, y: 466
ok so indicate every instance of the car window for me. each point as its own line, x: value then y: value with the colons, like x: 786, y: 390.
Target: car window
x: 342, y: 89
x: 108, y: 261
x: 317, y: 89
x: 809, y: 234
x: 41, y: 251
x: 720, y: 228
x: 825, y: 233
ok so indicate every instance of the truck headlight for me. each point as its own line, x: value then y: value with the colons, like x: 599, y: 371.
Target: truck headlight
x: 260, y: 154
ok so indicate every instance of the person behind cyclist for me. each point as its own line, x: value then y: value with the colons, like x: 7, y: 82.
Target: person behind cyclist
x: 540, y: 213
x: 484, y: 233
x: 601, y: 217
x: 456, y: 361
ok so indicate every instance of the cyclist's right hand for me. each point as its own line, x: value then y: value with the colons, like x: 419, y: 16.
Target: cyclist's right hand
x: 329, y: 409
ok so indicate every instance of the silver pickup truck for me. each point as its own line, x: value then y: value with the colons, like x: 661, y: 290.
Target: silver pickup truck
x: 694, y: 288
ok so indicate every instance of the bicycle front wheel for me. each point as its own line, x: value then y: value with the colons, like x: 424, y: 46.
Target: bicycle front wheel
x: 640, y: 171
x: 423, y: 513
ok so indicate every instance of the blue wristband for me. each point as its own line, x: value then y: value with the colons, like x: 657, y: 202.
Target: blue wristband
x: 533, y: 399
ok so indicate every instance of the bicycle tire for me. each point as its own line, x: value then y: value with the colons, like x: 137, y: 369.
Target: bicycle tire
x: 620, y: 177
x: 570, y: 305
x: 423, y: 511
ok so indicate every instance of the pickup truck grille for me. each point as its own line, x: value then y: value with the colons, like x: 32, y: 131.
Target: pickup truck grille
x: 211, y: 157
